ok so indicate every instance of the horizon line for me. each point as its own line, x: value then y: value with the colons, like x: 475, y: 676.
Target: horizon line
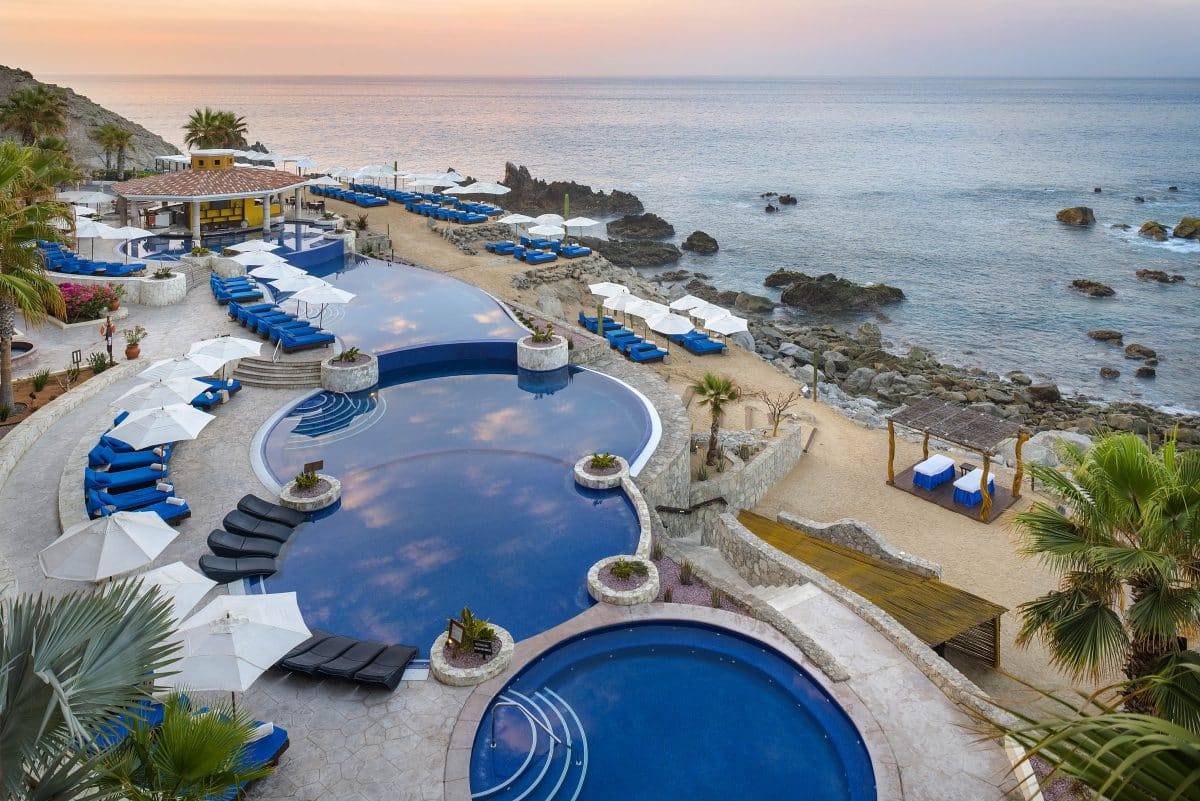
x: 630, y: 77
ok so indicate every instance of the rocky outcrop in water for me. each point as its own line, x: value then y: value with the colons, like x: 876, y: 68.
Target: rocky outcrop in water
x: 1107, y: 335
x: 634, y: 252
x: 700, y: 242
x: 1160, y: 276
x: 640, y: 226
x: 828, y: 293
x: 534, y: 196
x: 1153, y: 230
x: 1076, y: 215
x: 1137, y: 351
x: 1093, y: 289
x: 1188, y: 228
x: 82, y: 117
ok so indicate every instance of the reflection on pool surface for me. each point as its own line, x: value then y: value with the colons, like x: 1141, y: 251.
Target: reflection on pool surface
x: 457, y: 491
x: 667, y: 710
x: 295, y: 240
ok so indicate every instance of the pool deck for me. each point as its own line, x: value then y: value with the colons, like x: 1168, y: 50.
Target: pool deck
x: 357, y: 744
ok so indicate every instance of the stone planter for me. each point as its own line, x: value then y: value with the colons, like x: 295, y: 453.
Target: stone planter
x: 341, y: 377
x: 164, y: 291
x: 199, y: 264
x: 541, y: 357
x: 119, y: 314
x: 349, y: 241
x: 311, y: 503
x: 600, y: 481
x: 226, y: 268
x: 646, y: 592
x: 446, y: 673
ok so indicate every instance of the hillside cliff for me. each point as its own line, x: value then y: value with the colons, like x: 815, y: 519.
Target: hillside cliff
x: 82, y: 116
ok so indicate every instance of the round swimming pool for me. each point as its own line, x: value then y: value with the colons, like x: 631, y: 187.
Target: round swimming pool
x: 457, y: 491
x: 655, y: 710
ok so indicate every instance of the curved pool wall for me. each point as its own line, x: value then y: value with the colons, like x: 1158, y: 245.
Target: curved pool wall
x: 457, y: 490
x: 667, y: 709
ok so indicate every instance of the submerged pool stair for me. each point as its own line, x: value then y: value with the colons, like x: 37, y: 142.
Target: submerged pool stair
x: 328, y: 413
x: 555, y: 767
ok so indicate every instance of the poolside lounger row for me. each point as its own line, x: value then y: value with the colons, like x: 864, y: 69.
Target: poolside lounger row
x: 361, y: 199
x: 240, y: 288
x: 270, y: 321
x: 621, y: 339
x: 253, y: 535
x: 445, y: 201
x: 325, y: 654
x: 60, y: 260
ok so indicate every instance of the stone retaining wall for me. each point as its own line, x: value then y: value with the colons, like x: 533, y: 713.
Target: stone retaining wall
x: 851, y: 533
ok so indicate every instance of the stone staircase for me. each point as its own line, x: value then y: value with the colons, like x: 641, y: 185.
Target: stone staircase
x: 279, y: 375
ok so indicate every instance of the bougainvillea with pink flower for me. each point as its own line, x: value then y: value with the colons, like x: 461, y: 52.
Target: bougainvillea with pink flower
x: 86, y: 302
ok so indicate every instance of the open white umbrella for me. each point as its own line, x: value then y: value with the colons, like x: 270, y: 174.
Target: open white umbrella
x: 277, y: 270
x: 258, y: 258
x: 192, y: 366
x: 708, y: 312
x: 729, y: 324
x: 515, y: 219
x: 646, y: 309
x: 151, y: 427
x: 105, y: 547
x: 177, y: 582
x: 607, y: 289
x: 430, y: 183
x: 324, y: 180
x: 304, y: 163
x: 688, y: 302
x: 297, y: 282
x: 670, y: 325
x: 323, y: 293
x: 483, y: 188
x: 226, y: 348
x: 579, y: 222
x: 87, y: 197
x: 126, y: 232
x: 254, y: 245
x: 156, y: 394
x: 83, y: 211
x: 546, y: 230
x: 549, y: 219
x: 621, y: 302
x: 90, y: 229
x: 230, y: 642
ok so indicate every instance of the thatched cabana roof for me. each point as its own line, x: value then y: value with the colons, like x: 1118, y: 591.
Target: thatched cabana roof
x: 977, y: 431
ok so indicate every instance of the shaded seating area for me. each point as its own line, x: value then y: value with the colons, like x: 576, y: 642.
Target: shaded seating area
x: 332, y: 656
x: 627, y: 342
x: 940, y: 615
x: 252, y: 536
x: 975, y: 493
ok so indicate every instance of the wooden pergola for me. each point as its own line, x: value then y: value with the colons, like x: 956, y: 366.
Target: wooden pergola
x: 967, y: 428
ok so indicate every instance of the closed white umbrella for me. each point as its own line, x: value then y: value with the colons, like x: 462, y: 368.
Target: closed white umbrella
x: 257, y: 258
x: 546, y: 230
x: 254, y: 245
x: 105, y: 547
x: 159, y: 426
x: 549, y: 219
x: 226, y: 348
x: 297, y: 282
x: 729, y: 324
x: 192, y: 366
x: 183, y: 586
x: 688, y: 302
x: 607, y: 289
x: 156, y: 394
x: 277, y: 270
x: 230, y: 642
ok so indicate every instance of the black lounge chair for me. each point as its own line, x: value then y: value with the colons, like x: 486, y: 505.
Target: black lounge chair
x: 223, y: 570
x: 355, y: 659
x: 318, y: 636
x: 314, y: 657
x: 387, y: 669
x: 272, y: 512
x: 222, y: 543
x: 241, y: 523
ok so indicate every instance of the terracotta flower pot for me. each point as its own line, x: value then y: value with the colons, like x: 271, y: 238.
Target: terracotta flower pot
x: 132, y: 351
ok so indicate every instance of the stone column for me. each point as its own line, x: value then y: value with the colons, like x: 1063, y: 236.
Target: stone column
x: 266, y: 225
x: 299, y: 200
x: 196, y: 223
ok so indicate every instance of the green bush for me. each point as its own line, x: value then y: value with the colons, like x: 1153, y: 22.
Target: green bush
x: 475, y: 630
x: 200, y: 250
x: 715, y: 598
x: 97, y: 361
x: 625, y: 569
x: 307, y: 480
x: 72, y: 374
x: 656, y: 551
x: 348, y: 355
x: 40, y: 379
x: 686, y: 576
x: 602, y: 461
x: 5, y: 411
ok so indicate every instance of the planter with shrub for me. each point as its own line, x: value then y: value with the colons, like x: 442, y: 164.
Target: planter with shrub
x: 133, y: 341
x: 623, y: 580
x: 310, y: 492
x: 601, y: 471
x: 542, y: 350
x: 352, y: 370
x: 483, y: 652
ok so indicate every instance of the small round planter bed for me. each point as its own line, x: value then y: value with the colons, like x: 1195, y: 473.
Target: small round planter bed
x: 327, y: 492
x: 542, y: 356
x: 466, y: 670
x: 607, y: 588
x: 611, y: 478
x: 353, y: 376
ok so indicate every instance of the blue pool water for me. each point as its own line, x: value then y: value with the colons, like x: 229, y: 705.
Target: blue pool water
x: 298, y: 243
x: 667, y: 710
x: 457, y: 491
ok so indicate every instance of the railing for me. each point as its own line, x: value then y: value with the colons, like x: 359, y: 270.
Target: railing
x: 680, y: 510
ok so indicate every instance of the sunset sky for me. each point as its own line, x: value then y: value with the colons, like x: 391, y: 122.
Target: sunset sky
x: 603, y: 37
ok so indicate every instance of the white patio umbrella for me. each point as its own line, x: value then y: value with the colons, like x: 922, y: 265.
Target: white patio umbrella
x: 430, y: 183
x: 177, y: 582
x: 549, y: 219
x: 708, y: 312
x: 105, y: 547
x: 87, y: 197
x: 258, y: 258
x: 297, y: 282
x: 126, y: 233
x: 191, y: 366
x: 515, y: 219
x: 670, y: 325
x: 647, y: 309
x: 688, y: 302
x: 483, y: 188
x: 159, y: 426
x: 226, y: 348
x: 324, y: 180
x: 83, y: 211
x: 607, y: 289
x: 579, y: 222
x: 324, y: 296
x: 230, y: 642
x: 90, y: 229
x: 546, y: 230
x: 450, y: 177
x: 621, y: 303
x: 253, y: 246
x: 277, y: 270
x: 729, y: 324
x: 156, y: 394
x: 304, y: 163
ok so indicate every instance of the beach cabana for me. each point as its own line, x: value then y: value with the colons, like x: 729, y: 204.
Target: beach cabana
x: 970, y: 429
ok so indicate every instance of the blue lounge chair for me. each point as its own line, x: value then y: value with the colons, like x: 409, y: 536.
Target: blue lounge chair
x: 230, y: 385
x: 104, y: 456
x: 646, y: 352
x: 614, y: 337
x: 540, y: 257
x: 172, y: 510
x: 261, y: 752
x: 101, y: 502
x: 146, y: 712
x: 702, y: 345
x: 574, y: 251
x: 625, y: 345
x: 303, y: 342
x: 123, y: 479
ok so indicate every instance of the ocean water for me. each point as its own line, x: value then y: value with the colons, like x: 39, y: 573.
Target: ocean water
x: 946, y: 188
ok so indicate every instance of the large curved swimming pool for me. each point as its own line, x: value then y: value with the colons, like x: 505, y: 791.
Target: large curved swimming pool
x: 667, y: 710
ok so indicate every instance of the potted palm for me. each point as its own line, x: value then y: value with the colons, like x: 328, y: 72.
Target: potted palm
x: 133, y: 338
x: 470, y: 651
x: 542, y: 350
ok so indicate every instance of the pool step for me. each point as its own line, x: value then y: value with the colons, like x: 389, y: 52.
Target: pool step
x: 786, y: 596
x: 328, y: 413
x: 282, y: 374
x: 555, y: 767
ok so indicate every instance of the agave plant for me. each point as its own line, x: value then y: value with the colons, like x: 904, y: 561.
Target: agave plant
x: 68, y: 666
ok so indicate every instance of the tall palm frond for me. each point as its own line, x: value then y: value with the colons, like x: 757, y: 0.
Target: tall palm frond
x: 34, y: 112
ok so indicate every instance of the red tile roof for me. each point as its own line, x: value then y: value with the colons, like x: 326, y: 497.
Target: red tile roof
x: 219, y: 184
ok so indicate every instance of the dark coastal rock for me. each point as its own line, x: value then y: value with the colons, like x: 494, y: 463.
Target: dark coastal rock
x: 1076, y: 215
x: 1139, y: 199
x: 1160, y: 276
x: 769, y: 194
x: 787, y: 200
x: 1136, y: 351
x: 771, y: 208
x: 1093, y: 289
x: 634, y: 252
x: 1145, y: 372
x: 1044, y: 393
x: 1109, y: 372
x: 1121, y: 226
x: 781, y: 278
x: 1097, y: 189
x: 534, y: 196
x: 753, y: 304
x: 700, y: 242
x: 1153, y: 230
x: 829, y: 293
x: 1107, y: 335
x: 1188, y: 228
x: 1020, y: 378
x: 1172, y: 188
x: 640, y: 226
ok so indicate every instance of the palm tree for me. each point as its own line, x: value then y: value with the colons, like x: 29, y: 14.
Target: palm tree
x: 1127, y: 547
x: 187, y: 757
x: 715, y: 392
x: 112, y: 138
x: 68, y: 666
x: 214, y: 129
x: 26, y: 176
x: 34, y: 112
